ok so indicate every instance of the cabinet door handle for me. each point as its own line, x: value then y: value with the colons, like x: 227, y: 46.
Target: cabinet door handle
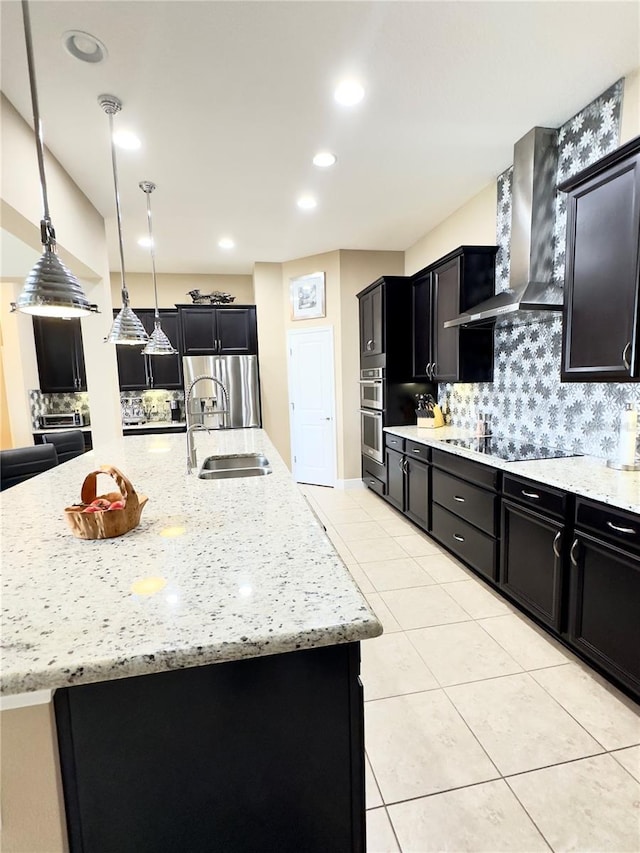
x: 458, y: 538
x: 556, y: 544
x: 624, y: 356
x: 630, y: 530
x: 573, y: 553
x: 458, y: 498
x: 429, y: 375
x: 370, y: 345
x: 219, y: 345
x: 433, y: 369
x: 531, y: 495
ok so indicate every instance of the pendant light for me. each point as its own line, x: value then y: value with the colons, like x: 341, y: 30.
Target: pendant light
x: 50, y: 289
x: 159, y: 343
x: 127, y: 328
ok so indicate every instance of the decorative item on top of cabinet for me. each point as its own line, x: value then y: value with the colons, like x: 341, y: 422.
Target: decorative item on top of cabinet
x: 443, y: 290
x: 218, y: 331
x: 60, y: 355
x: 604, y: 598
x: 602, y: 278
x: 533, y: 546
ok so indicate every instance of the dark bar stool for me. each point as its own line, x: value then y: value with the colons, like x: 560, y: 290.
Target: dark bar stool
x: 22, y: 463
x: 68, y: 444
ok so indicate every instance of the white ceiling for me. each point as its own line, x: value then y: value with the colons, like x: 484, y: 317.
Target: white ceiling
x: 232, y: 99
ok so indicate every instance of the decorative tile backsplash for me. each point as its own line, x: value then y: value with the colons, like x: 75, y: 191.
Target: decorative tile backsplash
x: 527, y: 398
x: 153, y: 404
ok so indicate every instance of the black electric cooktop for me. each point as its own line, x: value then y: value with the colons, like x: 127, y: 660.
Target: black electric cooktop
x: 509, y: 449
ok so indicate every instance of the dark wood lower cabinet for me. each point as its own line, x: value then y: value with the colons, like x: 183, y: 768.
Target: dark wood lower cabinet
x: 264, y: 754
x: 417, y: 492
x: 465, y: 541
x: 604, y: 619
x: 395, y: 478
x: 531, y: 562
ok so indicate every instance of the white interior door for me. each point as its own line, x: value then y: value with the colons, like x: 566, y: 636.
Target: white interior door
x: 312, y: 406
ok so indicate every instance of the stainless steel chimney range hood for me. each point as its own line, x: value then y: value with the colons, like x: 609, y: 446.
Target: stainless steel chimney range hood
x: 531, y: 285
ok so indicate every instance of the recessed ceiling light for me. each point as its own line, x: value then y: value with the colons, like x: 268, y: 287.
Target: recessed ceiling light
x: 226, y: 243
x: 348, y: 93
x: 324, y: 159
x: 126, y: 139
x: 145, y: 242
x: 84, y: 46
x: 306, y: 202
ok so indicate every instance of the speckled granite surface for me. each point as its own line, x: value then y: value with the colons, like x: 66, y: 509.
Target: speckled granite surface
x: 581, y: 475
x: 249, y: 570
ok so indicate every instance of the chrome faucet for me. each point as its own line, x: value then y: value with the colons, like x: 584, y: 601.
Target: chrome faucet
x: 191, y: 450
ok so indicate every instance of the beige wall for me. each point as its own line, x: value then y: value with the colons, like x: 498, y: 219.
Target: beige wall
x: 82, y: 246
x: 173, y: 288
x: 32, y: 805
x: 473, y: 224
x: 630, y: 119
x: 272, y: 355
x: 346, y: 272
x: 6, y: 439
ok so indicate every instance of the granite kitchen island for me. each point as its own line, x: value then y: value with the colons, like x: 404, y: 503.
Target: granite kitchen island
x: 205, y: 665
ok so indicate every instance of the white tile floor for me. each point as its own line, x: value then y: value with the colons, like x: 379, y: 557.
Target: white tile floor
x: 482, y: 733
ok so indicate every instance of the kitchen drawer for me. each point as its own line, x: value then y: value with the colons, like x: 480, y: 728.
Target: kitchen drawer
x: 374, y: 484
x: 465, y: 468
x: 417, y: 450
x: 373, y: 468
x: 475, y: 505
x: 466, y: 542
x: 394, y: 442
x: 614, y: 525
x: 541, y: 498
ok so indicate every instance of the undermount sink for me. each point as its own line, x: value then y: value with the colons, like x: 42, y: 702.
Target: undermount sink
x: 226, y: 467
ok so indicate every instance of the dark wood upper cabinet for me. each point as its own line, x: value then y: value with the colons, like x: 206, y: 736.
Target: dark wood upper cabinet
x: 138, y: 372
x: 210, y: 330
x: 441, y: 291
x: 600, y: 329
x: 166, y: 370
x: 372, y: 344
x: 60, y: 355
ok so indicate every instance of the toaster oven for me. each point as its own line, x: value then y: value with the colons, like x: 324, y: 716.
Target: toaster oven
x: 68, y: 419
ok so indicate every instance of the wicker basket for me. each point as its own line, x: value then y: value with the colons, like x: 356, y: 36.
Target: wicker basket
x: 108, y: 523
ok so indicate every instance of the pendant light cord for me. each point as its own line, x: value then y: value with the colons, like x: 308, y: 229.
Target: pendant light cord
x: 147, y: 188
x: 48, y: 235
x: 125, y: 292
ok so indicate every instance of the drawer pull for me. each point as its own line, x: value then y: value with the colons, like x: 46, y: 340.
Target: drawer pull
x: 416, y: 450
x: 533, y: 495
x: 458, y: 538
x: 615, y: 527
x: 373, y: 482
x: 556, y: 545
x: 573, y: 553
x: 458, y: 498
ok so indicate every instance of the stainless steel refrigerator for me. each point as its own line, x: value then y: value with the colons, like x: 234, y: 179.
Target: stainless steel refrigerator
x: 239, y: 375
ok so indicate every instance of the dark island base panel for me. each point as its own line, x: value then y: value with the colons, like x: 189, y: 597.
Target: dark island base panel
x: 264, y: 754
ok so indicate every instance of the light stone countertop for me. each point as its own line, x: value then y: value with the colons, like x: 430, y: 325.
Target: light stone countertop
x: 249, y: 570
x: 587, y: 476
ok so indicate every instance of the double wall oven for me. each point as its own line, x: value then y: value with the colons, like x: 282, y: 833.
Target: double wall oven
x: 372, y: 403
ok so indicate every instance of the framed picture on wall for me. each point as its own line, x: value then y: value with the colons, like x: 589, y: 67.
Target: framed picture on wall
x: 307, y: 296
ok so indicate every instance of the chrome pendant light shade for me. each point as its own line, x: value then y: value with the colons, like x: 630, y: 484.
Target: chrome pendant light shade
x: 127, y: 328
x: 50, y: 289
x: 159, y: 343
